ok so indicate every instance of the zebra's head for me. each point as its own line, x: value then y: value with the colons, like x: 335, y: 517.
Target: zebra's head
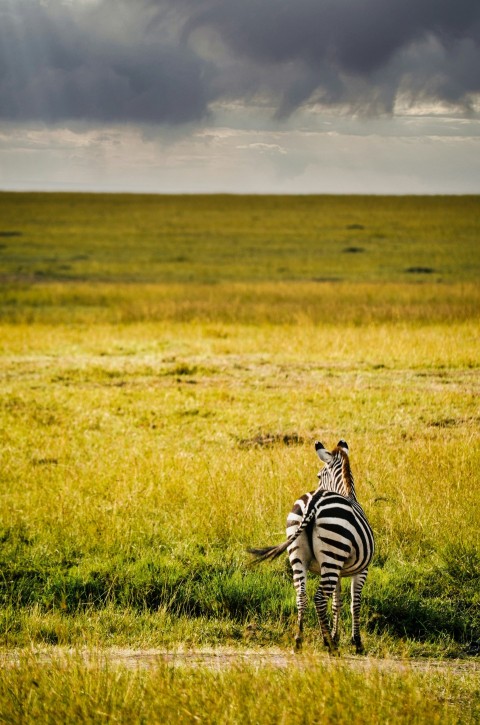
x: 337, y: 467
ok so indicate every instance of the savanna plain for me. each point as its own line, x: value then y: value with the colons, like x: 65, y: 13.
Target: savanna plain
x: 166, y: 366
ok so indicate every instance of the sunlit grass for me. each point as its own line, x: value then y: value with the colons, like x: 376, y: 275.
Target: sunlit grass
x: 239, y: 303
x: 72, y: 690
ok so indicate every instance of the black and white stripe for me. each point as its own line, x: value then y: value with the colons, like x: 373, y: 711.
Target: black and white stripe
x: 328, y: 534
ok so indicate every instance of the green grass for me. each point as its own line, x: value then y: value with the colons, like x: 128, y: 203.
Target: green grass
x: 157, y: 417
x: 234, y: 238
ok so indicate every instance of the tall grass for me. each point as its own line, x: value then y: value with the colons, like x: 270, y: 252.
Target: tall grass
x: 70, y: 690
x: 239, y: 303
x: 138, y: 462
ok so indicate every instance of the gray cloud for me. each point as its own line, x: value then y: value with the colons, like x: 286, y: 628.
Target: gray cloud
x: 357, y: 36
x: 95, y: 63
x: 354, y: 52
x: 166, y: 61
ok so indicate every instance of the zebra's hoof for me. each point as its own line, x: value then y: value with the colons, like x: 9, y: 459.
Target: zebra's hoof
x: 357, y: 642
x: 298, y: 644
x: 331, y: 645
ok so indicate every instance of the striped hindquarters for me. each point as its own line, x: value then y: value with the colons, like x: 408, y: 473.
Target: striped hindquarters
x: 342, y: 537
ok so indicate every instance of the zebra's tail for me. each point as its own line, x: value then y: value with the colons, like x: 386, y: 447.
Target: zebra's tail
x: 269, y: 552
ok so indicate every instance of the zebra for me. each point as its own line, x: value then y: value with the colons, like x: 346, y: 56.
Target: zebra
x: 328, y: 534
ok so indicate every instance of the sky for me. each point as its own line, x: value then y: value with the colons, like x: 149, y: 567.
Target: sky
x: 240, y: 96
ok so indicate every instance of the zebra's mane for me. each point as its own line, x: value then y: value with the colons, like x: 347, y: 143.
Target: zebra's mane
x: 346, y: 471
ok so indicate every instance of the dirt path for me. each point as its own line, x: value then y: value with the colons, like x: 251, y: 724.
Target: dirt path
x: 221, y: 658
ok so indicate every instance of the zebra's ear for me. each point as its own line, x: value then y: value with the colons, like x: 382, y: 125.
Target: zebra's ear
x: 322, y: 452
x: 343, y: 445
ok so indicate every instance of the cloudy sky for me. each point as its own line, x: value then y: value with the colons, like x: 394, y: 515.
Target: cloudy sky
x: 297, y: 96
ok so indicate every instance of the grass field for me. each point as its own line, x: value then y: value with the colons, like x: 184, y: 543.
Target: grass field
x: 252, y: 238
x: 166, y: 365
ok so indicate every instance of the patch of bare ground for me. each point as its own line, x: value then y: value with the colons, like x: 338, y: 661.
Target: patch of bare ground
x: 221, y: 658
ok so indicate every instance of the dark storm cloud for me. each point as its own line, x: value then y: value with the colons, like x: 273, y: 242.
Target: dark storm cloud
x: 166, y: 61
x: 358, y: 52
x: 94, y: 63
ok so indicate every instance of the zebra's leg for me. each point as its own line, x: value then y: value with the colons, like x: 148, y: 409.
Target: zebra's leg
x: 336, y: 609
x: 299, y: 570
x: 301, y: 590
x: 327, y: 586
x: 356, y: 591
